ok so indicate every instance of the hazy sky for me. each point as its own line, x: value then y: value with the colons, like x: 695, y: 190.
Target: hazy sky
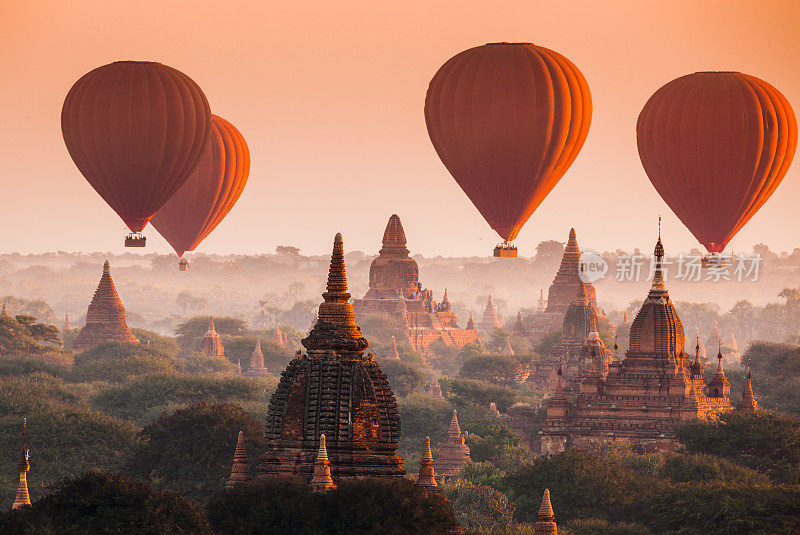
x: 330, y: 98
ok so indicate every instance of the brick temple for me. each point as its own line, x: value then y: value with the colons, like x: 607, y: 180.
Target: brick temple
x: 642, y: 397
x: 394, y: 289
x: 562, y: 292
x: 211, y: 344
x: 335, y: 389
x: 105, y: 317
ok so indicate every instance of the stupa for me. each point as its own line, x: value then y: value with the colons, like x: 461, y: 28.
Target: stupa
x: 395, y: 289
x: 240, y: 472
x: 434, y: 390
x: 454, y: 453
x: 561, y: 294
x: 427, y: 476
x: 519, y: 327
x: 256, y: 368
x: 67, y: 325
x: 211, y: 345
x: 105, y: 318
x: 489, y: 322
x: 321, y: 480
x: 643, y: 397
x: 335, y: 389
x: 4, y: 311
x: 23, y: 497
x: 545, y: 524
x: 749, y: 403
x: 277, y: 336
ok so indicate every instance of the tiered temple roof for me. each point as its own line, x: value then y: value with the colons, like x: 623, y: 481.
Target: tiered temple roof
x: 321, y: 480
x: 240, y: 471
x: 105, y: 318
x: 395, y: 289
x: 643, y: 397
x: 336, y: 390
x: 211, y: 345
x: 454, y: 453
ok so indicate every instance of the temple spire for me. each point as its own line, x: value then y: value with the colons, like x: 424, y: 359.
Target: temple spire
x: 659, y: 287
x: 394, y: 237
x: 519, y: 327
x: 454, y: 453
x: 470, y: 322
x: 749, y: 403
x: 322, y: 481
x: 277, y: 336
x: 240, y: 472
x: 4, y: 311
x: 546, y: 519
x: 445, y: 299
x: 427, y: 476
x: 23, y: 497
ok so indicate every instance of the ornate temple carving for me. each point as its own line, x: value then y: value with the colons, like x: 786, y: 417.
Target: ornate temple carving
x: 642, y: 397
x: 395, y: 289
x: 336, y: 390
x: 105, y: 317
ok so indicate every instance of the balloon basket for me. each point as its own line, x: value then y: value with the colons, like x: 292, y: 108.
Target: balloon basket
x: 135, y: 240
x: 505, y: 250
x: 183, y: 265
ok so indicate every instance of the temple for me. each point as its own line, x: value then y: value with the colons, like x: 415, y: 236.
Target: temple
x: 426, y: 479
x: 545, y: 524
x: 489, y: 322
x: 454, y: 453
x: 240, y: 471
x: 277, y: 336
x: 256, y: 367
x: 211, y: 345
x: 105, y: 318
x: 394, y: 289
x: 749, y: 403
x: 434, y: 390
x: 561, y: 294
x: 67, y: 324
x: 23, y: 497
x: 338, y: 390
x: 644, y: 396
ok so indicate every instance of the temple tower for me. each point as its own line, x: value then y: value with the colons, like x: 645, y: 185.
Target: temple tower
x: 565, y: 284
x: 256, y: 368
x: 545, y: 525
x: 240, y: 472
x: 519, y: 327
x: 277, y: 336
x: 427, y: 477
x: 434, y: 390
x: 454, y: 453
x: 321, y: 480
x: 336, y: 390
x: 105, y: 317
x: 67, y: 324
x: 393, y: 272
x: 489, y: 321
x: 22, y: 497
x: 211, y: 344
x: 749, y: 403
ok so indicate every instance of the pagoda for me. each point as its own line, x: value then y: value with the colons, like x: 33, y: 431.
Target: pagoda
x: 67, y: 324
x: 211, y: 345
x: 240, y: 472
x: 395, y: 289
x: 489, y: 322
x: 23, y: 497
x: 749, y: 403
x: 321, y: 480
x: 256, y: 368
x: 643, y: 397
x: 561, y: 294
x: 426, y: 479
x: 545, y: 524
x: 519, y: 327
x: 434, y: 390
x: 454, y: 453
x: 277, y: 336
x: 4, y: 311
x: 105, y: 318
x: 336, y: 390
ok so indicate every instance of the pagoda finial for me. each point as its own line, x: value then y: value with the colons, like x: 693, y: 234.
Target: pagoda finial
x: 336, y: 328
x: 23, y: 497
x: 211, y: 328
x: 470, y: 322
x: 572, y: 241
x: 240, y: 471
x: 4, y: 311
x: 445, y: 300
x: 426, y: 477
x: 322, y: 481
x: 658, y: 288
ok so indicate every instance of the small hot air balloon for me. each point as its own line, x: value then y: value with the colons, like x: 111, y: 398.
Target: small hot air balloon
x: 209, y: 193
x: 507, y: 120
x: 716, y: 145
x: 135, y: 130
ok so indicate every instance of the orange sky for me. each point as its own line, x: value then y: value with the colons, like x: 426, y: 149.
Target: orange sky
x: 330, y: 96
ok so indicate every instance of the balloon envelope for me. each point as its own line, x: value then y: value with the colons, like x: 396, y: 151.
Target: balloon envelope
x: 507, y: 120
x: 210, y: 191
x: 135, y: 130
x: 715, y: 146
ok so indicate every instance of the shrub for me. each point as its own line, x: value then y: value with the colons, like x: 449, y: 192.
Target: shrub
x: 115, y: 362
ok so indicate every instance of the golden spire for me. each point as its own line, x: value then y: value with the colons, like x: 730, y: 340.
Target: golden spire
x: 546, y: 522
x: 240, y: 472
x: 322, y: 481
x: 23, y: 497
x: 427, y: 477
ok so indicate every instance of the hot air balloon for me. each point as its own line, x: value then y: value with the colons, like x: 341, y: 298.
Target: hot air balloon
x: 507, y: 120
x: 209, y: 193
x: 716, y: 145
x: 135, y: 130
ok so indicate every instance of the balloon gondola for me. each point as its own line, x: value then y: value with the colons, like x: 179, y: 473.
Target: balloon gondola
x: 507, y: 120
x: 209, y: 193
x: 716, y: 145
x: 505, y: 250
x: 135, y: 130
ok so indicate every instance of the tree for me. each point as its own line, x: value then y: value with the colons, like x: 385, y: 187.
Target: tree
x: 479, y: 507
x: 404, y: 378
x: 101, y: 502
x: 118, y: 361
x: 499, y: 370
x: 464, y: 392
x: 190, y: 451
x: 21, y: 335
x: 488, y: 439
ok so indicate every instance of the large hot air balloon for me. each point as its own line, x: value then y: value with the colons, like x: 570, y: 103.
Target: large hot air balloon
x: 135, y: 129
x: 209, y: 193
x: 715, y: 146
x: 507, y: 120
